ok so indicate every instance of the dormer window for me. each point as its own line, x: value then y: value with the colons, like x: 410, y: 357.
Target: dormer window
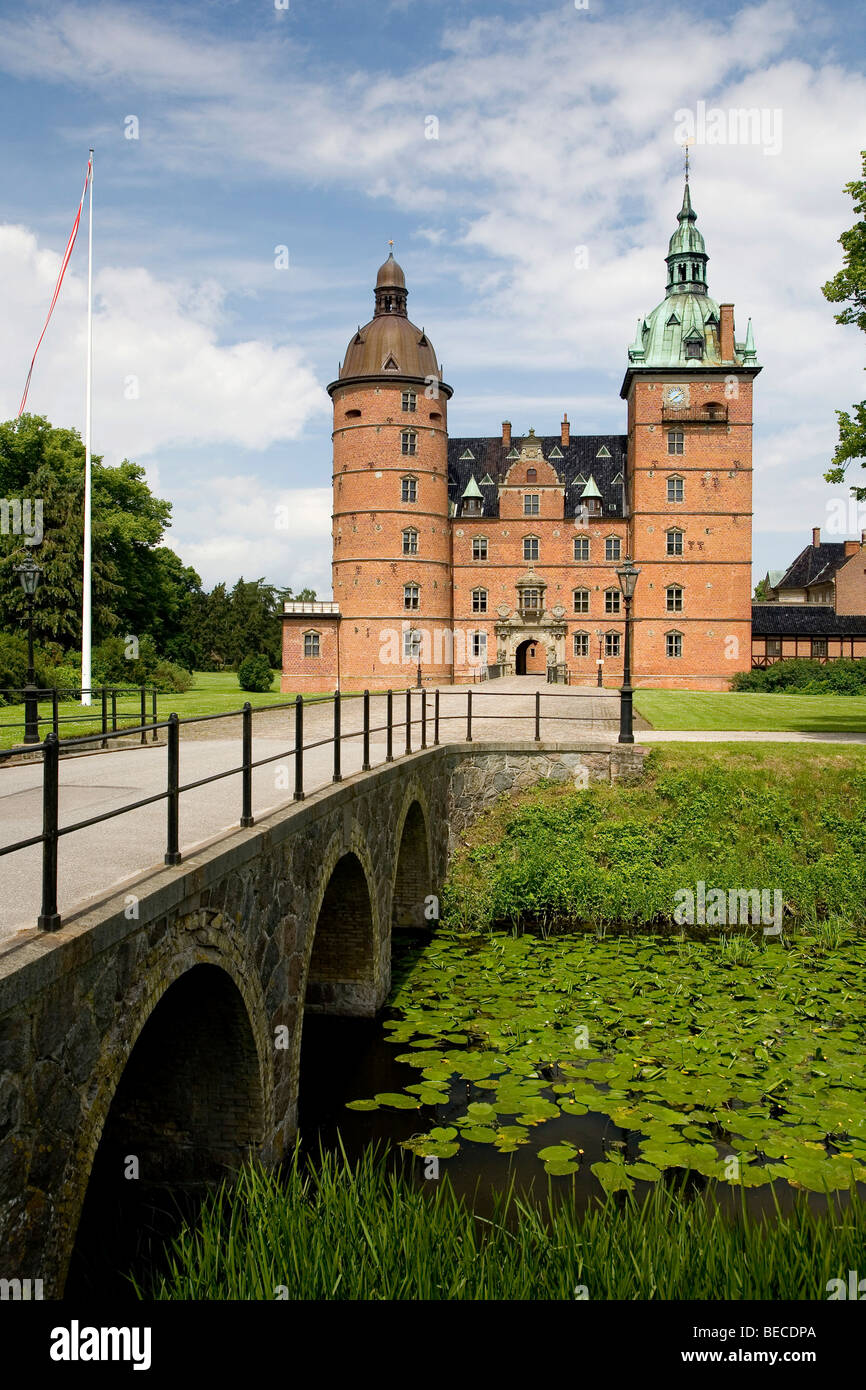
x: 694, y: 348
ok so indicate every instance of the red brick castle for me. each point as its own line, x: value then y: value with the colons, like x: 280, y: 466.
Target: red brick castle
x: 461, y: 553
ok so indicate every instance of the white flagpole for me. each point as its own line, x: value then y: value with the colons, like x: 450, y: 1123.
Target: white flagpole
x: 86, y: 612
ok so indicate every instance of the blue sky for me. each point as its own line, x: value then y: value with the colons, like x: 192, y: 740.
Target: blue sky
x: 306, y: 127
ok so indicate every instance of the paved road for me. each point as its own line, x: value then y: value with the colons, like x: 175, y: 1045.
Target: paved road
x: 100, y: 858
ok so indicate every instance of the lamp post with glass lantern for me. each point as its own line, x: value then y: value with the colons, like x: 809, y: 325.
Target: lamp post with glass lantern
x: 600, y: 662
x: 29, y: 574
x: 627, y: 575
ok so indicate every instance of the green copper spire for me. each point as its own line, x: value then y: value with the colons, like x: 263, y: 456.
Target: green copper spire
x: 591, y: 488
x: 472, y: 489
x: 687, y: 256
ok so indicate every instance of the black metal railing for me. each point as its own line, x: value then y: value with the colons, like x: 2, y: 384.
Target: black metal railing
x: 103, y: 709
x: 421, y: 710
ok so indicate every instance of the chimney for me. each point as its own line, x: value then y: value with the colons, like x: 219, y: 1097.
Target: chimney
x: 816, y: 535
x: 726, y: 332
x: 852, y: 548
x: 506, y: 433
x: 563, y: 432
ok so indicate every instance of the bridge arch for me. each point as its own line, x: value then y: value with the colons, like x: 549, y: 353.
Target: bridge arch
x: 412, y: 881
x: 186, y: 1091
x: 342, y: 969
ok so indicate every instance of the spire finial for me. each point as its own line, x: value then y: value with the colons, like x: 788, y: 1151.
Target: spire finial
x: 391, y: 245
x: 689, y: 140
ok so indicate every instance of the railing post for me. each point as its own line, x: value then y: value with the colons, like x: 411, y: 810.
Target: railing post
x: 172, y: 853
x: 299, y: 747
x: 143, y: 720
x: 153, y: 710
x: 49, y: 918
x: 113, y: 711
x: 247, y: 773
x: 104, y: 716
x: 337, y: 774
x: 538, y: 716
x: 389, y: 721
x: 469, y: 715
x: 365, y: 764
x: 436, y: 718
x: 55, y: 711
x: 423, y: 718
x: 409, y: 720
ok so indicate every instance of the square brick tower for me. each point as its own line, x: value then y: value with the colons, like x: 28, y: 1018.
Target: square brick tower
x: 689, y: 391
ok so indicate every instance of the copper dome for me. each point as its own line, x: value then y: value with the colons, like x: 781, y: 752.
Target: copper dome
x: 390, y: 345
x: 390, y: 275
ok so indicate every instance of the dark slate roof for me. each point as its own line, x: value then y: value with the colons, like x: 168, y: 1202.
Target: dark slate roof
x: 579, y: 457
x: 805, y: 620
x: 816, y: 564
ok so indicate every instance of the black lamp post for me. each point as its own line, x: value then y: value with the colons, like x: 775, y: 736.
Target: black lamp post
x: 29, y: 573
x: 628, y: 577
x: 600, y: 662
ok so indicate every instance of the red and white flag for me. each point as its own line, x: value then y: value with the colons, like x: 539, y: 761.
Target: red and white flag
x: 66, y: 255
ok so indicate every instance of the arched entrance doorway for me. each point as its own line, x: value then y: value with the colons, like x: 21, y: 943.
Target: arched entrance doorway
x: 530, y: 659
x: 188, y: 1110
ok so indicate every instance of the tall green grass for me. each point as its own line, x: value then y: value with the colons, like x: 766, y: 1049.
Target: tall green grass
x: 364, y: 1231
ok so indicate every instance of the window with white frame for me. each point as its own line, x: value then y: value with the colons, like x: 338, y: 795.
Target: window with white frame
x: 673, y: 599
x: 530, y: 547
x: 479, y: 600
x: 409, y: 401
x: 676, y: 442
x: 581, y: 644
x: 408, y: 442
x: 479, y: 547
x: 674, y: 542
x: 581, y: 600
x: 613, y: 548
x: 611, y: 643
x: 311, y: 644
x: 673, y: 644
x: 411, y: 644
x: 612, y: 600
x: 581, y: 547
x: 410, y: 542
x: 531, y: 503
x: 676, y: 488
x: 531, y: 600
x: 411, y: 596
x: 478, y: 646
x: 408, y: 489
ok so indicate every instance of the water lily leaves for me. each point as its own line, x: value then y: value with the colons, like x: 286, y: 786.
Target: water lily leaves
x: 362, y: 1105
x: 558, y: 1151
x: 481, y: 1111
x: 647, y: 1171
x: 560, y: 1168
x: 397, y: 1100
x: 479, y: 1134
x: 613, y: 1177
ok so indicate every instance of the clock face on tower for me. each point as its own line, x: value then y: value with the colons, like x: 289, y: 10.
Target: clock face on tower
x: 676, y: 395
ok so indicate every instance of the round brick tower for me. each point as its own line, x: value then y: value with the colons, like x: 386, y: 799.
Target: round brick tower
x: 391, y: 532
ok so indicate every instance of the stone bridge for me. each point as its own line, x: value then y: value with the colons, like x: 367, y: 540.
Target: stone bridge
x: 158, y: 1035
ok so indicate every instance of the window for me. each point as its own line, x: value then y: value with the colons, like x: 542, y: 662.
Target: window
x: 530, y: 504
x: 581, y: 600
x: 611, y: 643
x: 412, y: 644
x: 410, y: 542
x: 676, y: 442
x: 409, y: 400
x: 479, y: 547
x: 774, y: 646
x: 531, y: 600
x: 695, y: 348
x: 408, y: 441
x: 531, y: 475
x: 479, y: 600
x: 675, y: 489
x: 409, y: 490
x: 612, y: 600
x: 819, y: 646
x: 411, y: 596
x: 674, y: 598
x: 581, y: 644
x: 530, y: 547
x: 478, y: 646
x: 674, y: 542
x: 311, y: 644
x: 581, y: 547
x: 612, y: 548
x: 673, y: 644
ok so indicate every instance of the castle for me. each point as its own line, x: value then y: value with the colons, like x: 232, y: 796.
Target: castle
x: 451, y: 555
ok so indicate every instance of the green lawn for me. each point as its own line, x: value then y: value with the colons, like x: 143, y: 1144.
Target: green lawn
x: 213, y: 692
x: 699, y: 709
